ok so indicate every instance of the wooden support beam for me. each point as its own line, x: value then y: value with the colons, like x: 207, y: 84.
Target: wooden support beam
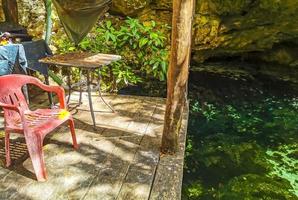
x: 10, y: 9
x: 183, y: 11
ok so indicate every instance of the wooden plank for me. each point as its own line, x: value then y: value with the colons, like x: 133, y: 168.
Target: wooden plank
x: 169, y: 174
x: 82, y: 191
x: 140, y: 175
x: 121, y: 164
x: 12, y: 184
x: 109, y: 179
x: 70, y: 172
x: 126, y: 109
x: 144, y: 117
x: 167, y: 183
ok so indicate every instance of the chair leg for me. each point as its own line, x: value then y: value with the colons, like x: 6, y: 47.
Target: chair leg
x: 7, y: 149
x: 34, y: 145
x: 73, y: 134
x: 50, y: 96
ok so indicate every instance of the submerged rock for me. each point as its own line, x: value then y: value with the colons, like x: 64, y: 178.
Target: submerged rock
x: 284, y: 160
x: 193, y: 191
x: 256, y: 187
x: 220, y: 161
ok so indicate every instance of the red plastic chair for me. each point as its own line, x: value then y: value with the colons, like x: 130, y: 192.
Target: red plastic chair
x: 35, y: 125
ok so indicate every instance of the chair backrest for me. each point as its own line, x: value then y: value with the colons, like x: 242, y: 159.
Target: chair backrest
x: 11, y: 89
x: 11, y: 93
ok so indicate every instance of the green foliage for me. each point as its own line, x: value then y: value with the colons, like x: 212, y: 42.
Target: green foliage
x: 142, y: 47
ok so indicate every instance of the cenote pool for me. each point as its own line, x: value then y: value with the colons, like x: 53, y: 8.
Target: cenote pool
x: 242, y: 136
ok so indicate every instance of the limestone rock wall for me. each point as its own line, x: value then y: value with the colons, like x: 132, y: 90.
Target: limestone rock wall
x: 32, y: 15
x: 265, y: 29
x: 240, y: 26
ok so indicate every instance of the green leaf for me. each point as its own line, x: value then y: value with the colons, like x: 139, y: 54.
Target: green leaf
x: 153, y: 23
x: 140, y: 55
x: 151, y: 62
x: 113, y: 37
x: 143, y: 41
x: 164, y: 67
x: 153, y: 35
x: 155, y: 66
x: 109, y: 24
x: 71, y: 48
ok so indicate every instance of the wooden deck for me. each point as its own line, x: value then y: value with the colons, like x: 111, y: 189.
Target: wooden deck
x: 118, y: 160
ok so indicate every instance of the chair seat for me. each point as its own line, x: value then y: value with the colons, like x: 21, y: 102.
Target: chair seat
x: 41, y: 120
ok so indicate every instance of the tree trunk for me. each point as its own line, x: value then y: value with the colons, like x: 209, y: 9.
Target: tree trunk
x: 183, y: 11
x: 10, y: 9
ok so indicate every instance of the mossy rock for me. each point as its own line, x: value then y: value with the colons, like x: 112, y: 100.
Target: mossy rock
x: 255, y: 187
x: 163, y: 4
x: 284, y: 160
x: 129, y: 7
x: 159, y: 16
x: 239, y: 26
x: 221, y: 28
x: 220, y: 161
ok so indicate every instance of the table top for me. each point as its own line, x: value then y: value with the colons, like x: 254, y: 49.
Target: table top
x: 81, y: 59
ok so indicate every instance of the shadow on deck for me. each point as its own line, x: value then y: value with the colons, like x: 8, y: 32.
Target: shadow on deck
x: 118, y: 160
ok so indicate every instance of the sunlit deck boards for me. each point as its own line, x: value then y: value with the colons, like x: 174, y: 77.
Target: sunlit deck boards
x: 118, y: 160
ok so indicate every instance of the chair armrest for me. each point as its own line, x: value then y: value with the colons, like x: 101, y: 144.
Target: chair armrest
x: 9, y: 106
x: 17, y: 109
x: 56, y: 89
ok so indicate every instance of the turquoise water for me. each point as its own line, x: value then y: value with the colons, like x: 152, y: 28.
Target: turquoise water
x: 242, y: 138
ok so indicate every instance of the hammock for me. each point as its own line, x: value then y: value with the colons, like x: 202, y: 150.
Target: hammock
x: 79, y: 16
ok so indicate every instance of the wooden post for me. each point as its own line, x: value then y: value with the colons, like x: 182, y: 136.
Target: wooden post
x: 10, y: 9
x: 183, y: 11
x: 48, y: 6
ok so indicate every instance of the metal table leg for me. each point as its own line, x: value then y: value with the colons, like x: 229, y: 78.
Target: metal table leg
x: 99, y: 91
x: 81, y: 89
x: 90, y: 98
x: 50, y: 96
x: 69, y: 85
